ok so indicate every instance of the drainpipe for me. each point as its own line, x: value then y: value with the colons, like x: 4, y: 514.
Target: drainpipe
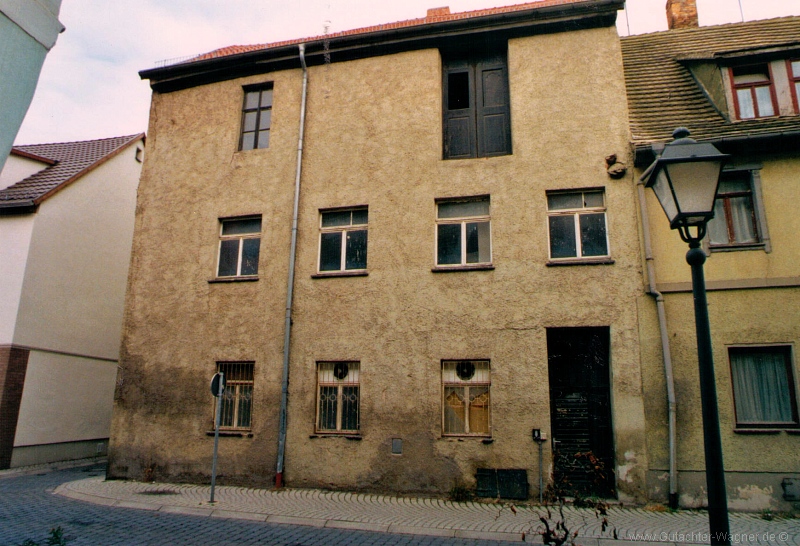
x: 290, y: 282
x: 665, y: 351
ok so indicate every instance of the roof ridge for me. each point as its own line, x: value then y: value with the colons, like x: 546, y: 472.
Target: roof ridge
x: 706, y: 27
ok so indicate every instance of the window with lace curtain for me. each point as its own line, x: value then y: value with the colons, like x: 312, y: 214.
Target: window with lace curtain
x: 763, y: 386
x: 736, y: 222
x: 466, y: 400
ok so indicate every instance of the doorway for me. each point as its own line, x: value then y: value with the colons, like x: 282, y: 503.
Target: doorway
x: 580, y: 411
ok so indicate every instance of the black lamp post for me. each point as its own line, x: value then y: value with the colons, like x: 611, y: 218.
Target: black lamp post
x: 685, y: 179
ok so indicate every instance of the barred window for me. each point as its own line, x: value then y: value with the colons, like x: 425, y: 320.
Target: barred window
x: 237, y: 399
x: 465, y: 392
x: 338, y: 397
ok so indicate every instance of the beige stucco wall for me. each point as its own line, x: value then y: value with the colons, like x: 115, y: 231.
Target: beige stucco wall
x: 18, y: 168
x: 758, y: 316
x: 373, y: 137
x: 73, y: 292
x: 15, y: 239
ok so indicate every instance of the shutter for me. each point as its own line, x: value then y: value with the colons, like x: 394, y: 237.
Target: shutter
x: 492, y: 108
x: 459, y: 112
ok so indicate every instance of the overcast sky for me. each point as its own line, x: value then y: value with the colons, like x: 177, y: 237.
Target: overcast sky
x: 90, y: 88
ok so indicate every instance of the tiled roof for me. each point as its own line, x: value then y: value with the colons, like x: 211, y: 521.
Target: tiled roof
x: 435, y: 15
x: 663, y: 95
x: 71, y: 161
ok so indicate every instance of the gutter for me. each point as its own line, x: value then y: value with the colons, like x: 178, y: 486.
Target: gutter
x: 290, y: 281
x: 665, y: 349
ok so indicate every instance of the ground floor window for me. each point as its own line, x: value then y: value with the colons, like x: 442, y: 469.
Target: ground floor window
x: 465, y: 392
x: 763, y: 386
x: 338, y: 397
x: 237, y: 399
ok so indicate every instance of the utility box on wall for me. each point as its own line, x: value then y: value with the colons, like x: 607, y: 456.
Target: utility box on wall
x: 507, y: 483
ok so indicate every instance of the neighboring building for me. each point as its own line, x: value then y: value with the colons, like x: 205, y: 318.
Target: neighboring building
x: 736, y: 86
x: 66, y: 224
x: 466, y: 268
x: 28, y: 30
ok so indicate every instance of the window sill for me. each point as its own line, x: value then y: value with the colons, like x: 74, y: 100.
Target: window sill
x: 354, y: 437
x: 582, y: 261
x: 734, y: 248
x: 764, y: 431
x: 232, y: 279
x: 462, y: 437
x: 231, y: 433
x: 327, y: 274
x: 449, y: 269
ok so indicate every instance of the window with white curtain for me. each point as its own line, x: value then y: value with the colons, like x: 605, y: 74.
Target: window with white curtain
x: 338, y: 397
x: 763, y: 386
x: 465, y: 392
x: 736, y: 219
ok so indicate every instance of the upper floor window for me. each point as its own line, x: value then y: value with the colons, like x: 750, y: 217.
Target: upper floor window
x: 463, y: 232
x: 256, y: 117
x: 736, y: 219
x: 343, y: 240
x: 754, y: 93
x: 763, y: 386
x: 239, y: 243
x: 476, y: 105
x: 794, y: 77
x: 577, y: 224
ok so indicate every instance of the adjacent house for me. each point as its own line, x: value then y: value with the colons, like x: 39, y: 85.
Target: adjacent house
x: 66, y: 224
x: 736, y: 86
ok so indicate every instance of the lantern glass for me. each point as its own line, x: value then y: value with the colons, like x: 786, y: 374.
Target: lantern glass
x: 694, y: 184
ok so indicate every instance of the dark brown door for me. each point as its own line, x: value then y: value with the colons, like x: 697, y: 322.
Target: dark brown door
x: 580, y: 410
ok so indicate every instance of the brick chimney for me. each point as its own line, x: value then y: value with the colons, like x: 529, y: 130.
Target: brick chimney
x: 438, y: 13
x: 682, y: 14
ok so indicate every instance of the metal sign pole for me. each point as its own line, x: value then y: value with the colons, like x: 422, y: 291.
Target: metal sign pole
x: 218, y: 394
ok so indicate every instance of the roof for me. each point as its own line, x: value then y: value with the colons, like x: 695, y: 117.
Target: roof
x: 663, y: 94
x: 439, y: 28
x: 69, y: 162
x: 435, y: 15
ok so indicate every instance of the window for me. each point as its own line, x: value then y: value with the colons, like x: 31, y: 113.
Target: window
x: 465, y: 393
x: 239, y: 243
x: 463, y: 232
x: 337, y: 397
x: 753, y: 92
x: 794, y: 78
x: 476, y: 106
x: 577, y: 224
x: 763, y: 386
x: 343, y: 240
x: 735, y: 221
x: 237, y: 399
x: 256, y: 118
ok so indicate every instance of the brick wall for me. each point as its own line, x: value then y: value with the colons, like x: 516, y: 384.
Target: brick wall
x: 13, y: 364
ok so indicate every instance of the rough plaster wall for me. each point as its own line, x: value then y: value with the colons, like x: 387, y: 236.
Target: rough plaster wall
x: 373, y: 138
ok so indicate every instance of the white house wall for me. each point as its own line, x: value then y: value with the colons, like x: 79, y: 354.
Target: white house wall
x: 77, y: 269
x: 15, y: 240
x: 17, y: 169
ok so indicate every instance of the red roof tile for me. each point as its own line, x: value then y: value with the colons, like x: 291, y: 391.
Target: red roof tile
x: 70, y: 161
x: 435, y: 15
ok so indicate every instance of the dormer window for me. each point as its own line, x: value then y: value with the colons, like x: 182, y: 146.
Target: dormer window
x: 753, y: 91
x: 794, y: 77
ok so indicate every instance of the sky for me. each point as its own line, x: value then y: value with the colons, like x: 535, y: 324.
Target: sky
x: 90, y: 88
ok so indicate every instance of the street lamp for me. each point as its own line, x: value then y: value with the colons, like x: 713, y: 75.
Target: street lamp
x: 685, y: 179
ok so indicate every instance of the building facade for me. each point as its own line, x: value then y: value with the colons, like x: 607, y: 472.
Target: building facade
x: 66, y: 225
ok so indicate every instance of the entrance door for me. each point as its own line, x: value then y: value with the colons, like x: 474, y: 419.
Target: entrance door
x: 580, y: 411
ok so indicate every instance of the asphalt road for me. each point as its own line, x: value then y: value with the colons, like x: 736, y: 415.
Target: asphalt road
x: 29, y: 510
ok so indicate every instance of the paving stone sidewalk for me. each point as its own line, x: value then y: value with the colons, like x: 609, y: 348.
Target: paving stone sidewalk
x: 424, y: 516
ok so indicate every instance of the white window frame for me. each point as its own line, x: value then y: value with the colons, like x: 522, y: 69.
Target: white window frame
x: 233, y: 391
x: 466, y: 385
x: 344, y: 231
x: 240, y: 237
x: 463, y: 221
x: 325, y: 379
x: 576, y: 214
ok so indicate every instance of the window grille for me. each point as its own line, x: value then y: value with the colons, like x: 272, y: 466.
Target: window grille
x: 466, y: 397
x: 338, y: 397
x: 237, y: 399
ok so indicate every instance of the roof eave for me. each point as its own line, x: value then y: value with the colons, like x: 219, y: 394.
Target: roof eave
x: 554, y: 18
x: 26, y: 206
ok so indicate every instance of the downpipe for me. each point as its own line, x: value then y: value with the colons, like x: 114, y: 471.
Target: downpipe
x: 290, y: 282
x: 665, y: 349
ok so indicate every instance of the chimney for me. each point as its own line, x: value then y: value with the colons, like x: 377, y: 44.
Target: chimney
x: 682, y: 14
x: 437, y: 13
